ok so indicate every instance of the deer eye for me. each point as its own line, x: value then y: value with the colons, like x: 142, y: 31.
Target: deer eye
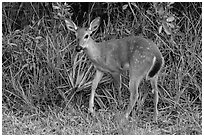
x: 86, y: 36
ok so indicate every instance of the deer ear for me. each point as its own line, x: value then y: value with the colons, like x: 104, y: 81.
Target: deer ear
x: 94, y: 24
x: 71, y: 25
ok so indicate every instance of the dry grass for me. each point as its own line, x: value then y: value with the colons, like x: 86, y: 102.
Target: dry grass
x: 46, y: 84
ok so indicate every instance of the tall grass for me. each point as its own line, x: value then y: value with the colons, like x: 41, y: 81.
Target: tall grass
x: 46, y: 85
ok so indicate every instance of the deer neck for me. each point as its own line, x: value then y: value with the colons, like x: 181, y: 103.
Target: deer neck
x: 93, y: 50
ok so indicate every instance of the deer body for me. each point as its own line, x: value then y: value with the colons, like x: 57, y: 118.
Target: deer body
x: 138, y: 55
x: 115, y: 55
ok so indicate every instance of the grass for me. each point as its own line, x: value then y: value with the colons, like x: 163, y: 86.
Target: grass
x: 46, y: 84
x: 74, y: 122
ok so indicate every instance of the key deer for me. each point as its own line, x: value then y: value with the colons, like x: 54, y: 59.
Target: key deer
x: 138, y: 55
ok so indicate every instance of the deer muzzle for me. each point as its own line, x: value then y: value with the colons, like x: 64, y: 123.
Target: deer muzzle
x: 78, y: 48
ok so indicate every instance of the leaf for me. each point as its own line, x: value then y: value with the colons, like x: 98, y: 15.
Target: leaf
x: 161, y: 11
x: 38, y: 37
x: 170, y: 19
x: 59, y: 14
x: 125, y: 7
x: 55, y: 7
x: 166, y: 28
x: 170, y: 3
x: 127, y: 31
x: 55, y: 17
x: 160, y: 29
x: 171, y: 25
x: 79, y: 78
x: 134, y: 4
x: 149, y: 12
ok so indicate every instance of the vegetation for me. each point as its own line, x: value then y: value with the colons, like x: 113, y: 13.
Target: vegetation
x: 46, y: 83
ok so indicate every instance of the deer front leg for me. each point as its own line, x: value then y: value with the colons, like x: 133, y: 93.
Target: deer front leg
x: 95, y: 82
x: 117, y: 84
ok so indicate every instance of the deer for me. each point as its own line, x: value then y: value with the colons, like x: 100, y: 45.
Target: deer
x: 137, y: 54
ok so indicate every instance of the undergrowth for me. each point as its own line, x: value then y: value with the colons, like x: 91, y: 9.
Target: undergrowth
x: 46, y: 85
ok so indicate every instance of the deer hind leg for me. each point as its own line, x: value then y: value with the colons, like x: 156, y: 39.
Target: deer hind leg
x: 137, y: 71
x: 95, y: 82
x: 156, y: 97
x: 133, y: 88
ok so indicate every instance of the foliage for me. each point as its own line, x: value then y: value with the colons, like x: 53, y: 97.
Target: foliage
x: 43, y: 75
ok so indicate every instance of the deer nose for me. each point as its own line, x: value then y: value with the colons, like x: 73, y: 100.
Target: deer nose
x: 79, y: 48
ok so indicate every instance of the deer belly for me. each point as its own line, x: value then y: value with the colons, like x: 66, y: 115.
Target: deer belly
x: 108, y: 68
x: 126, y: 66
